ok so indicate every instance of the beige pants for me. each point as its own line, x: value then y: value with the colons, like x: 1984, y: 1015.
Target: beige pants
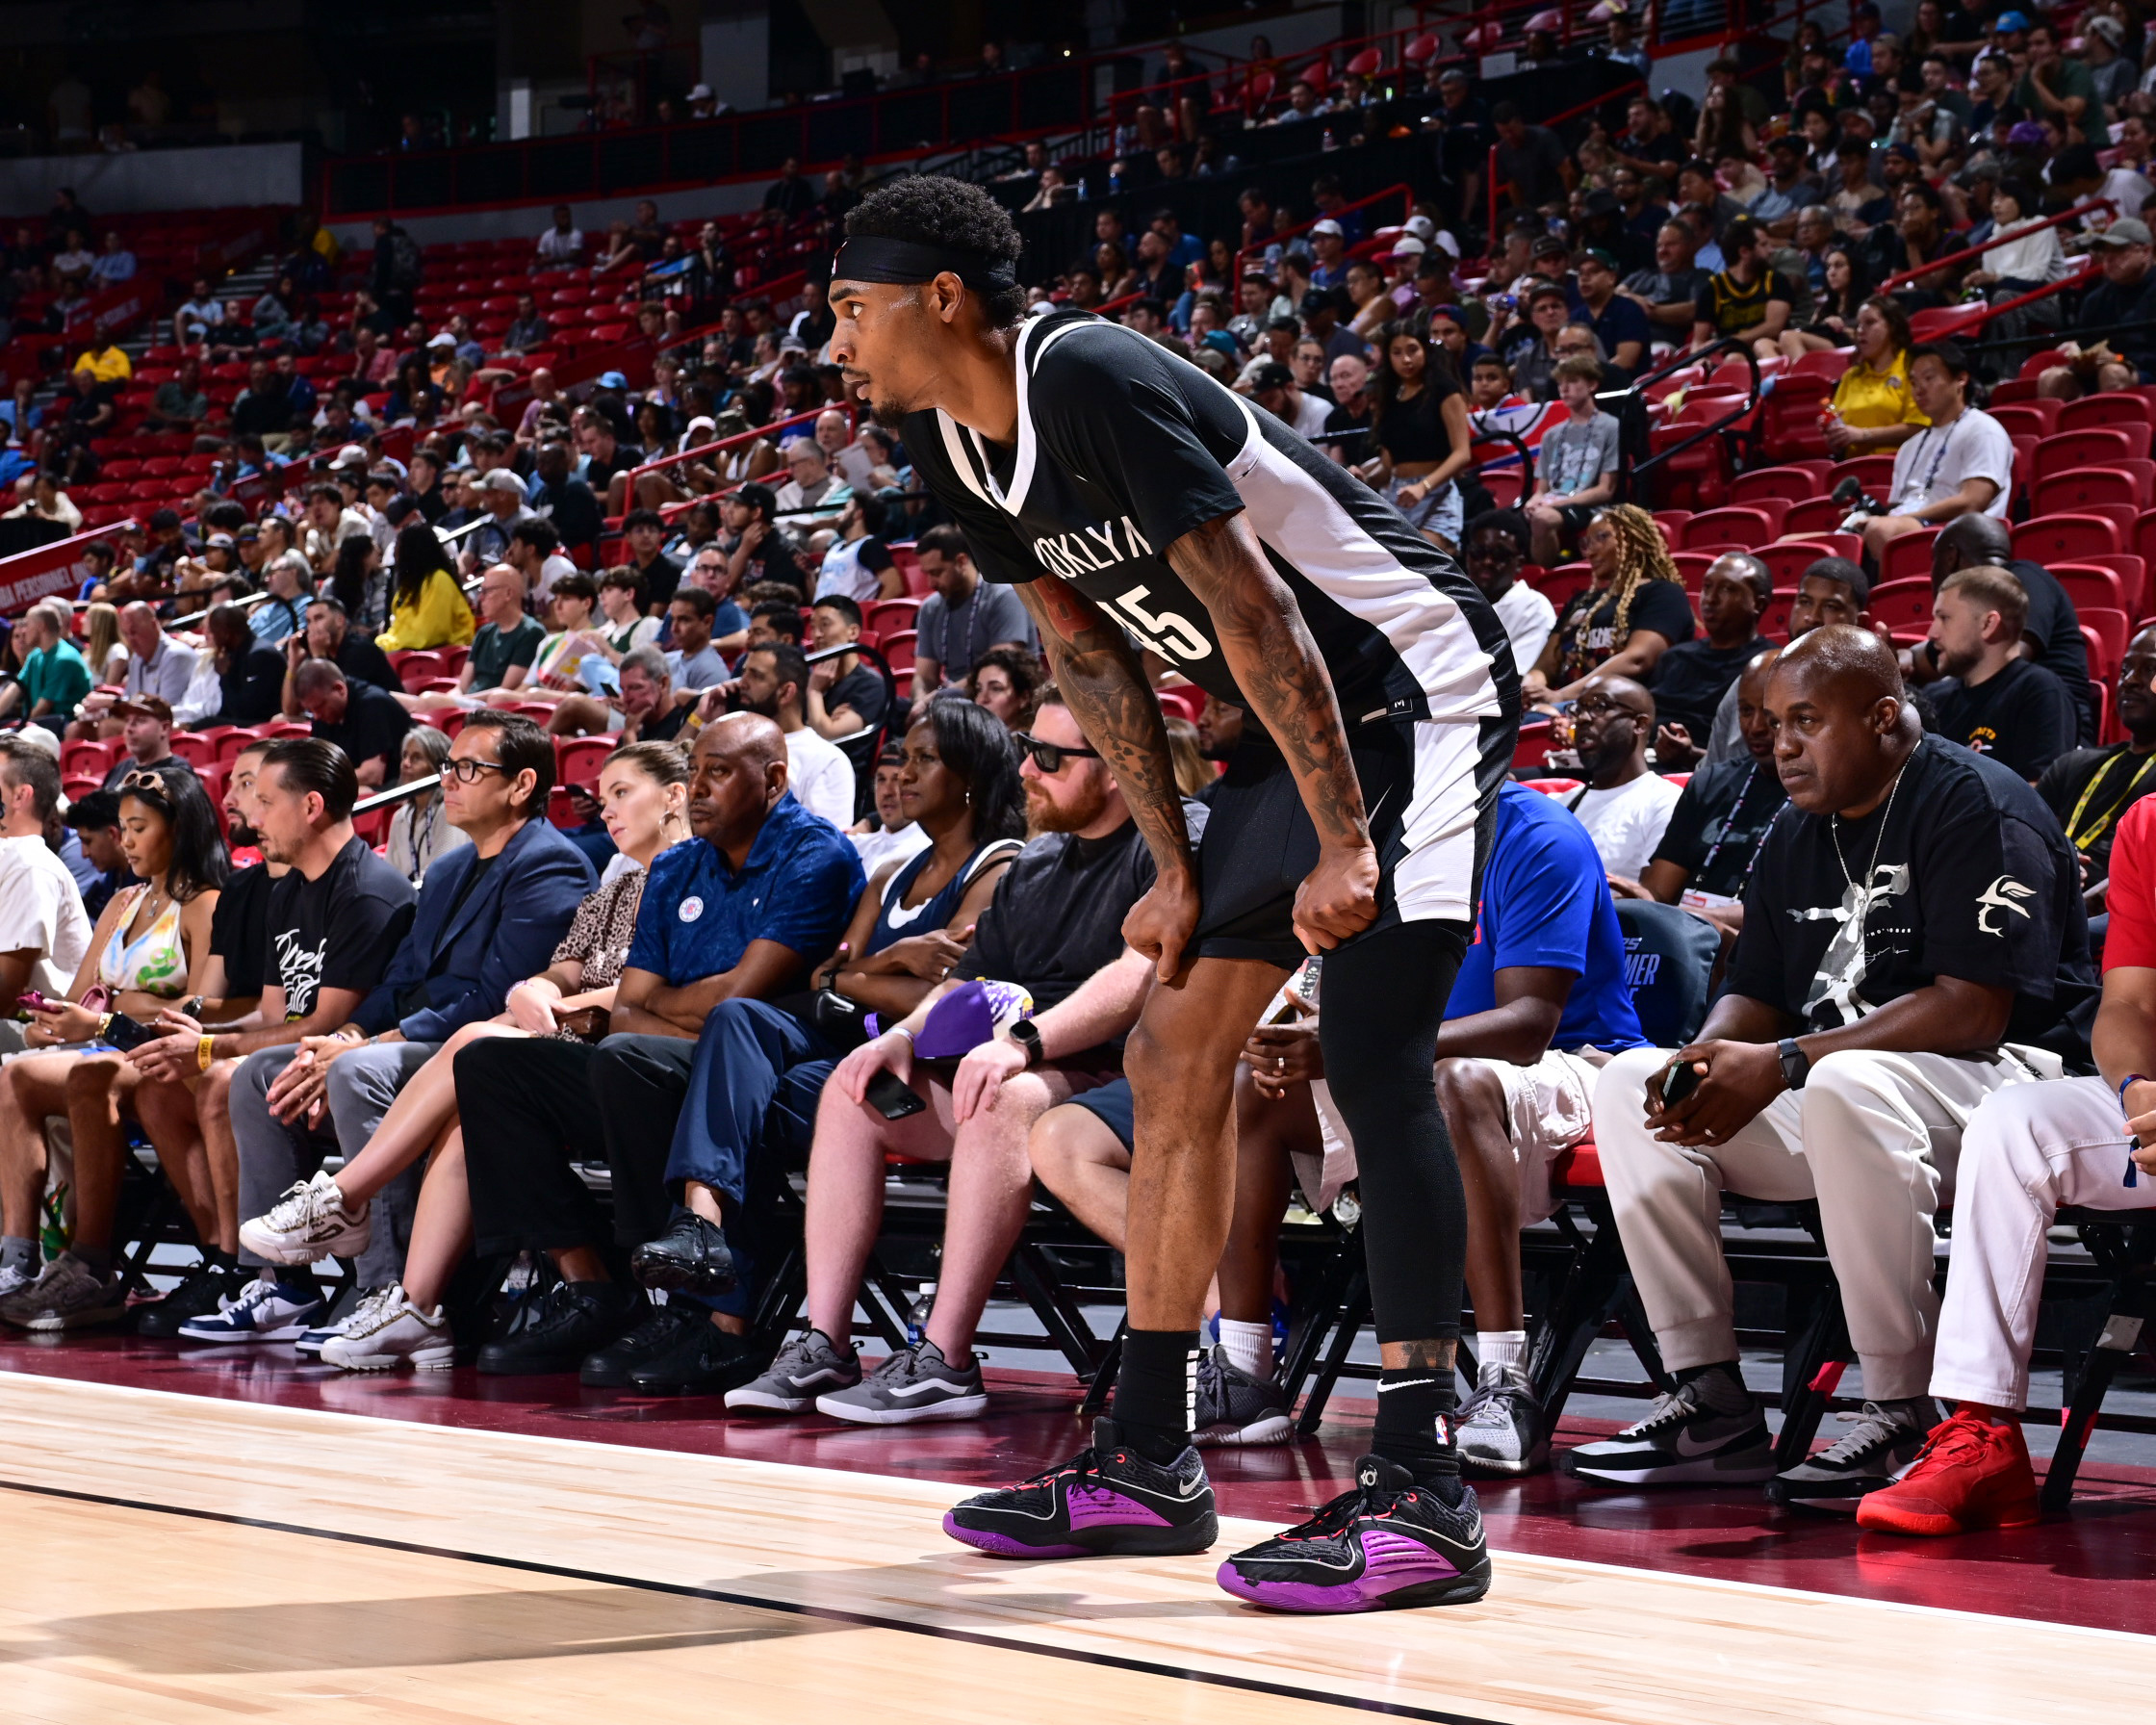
x: 1873, y: 1137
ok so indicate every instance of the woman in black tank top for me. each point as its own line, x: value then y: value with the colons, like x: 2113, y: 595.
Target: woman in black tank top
x: 1420, y: 428
x: 960, y: 783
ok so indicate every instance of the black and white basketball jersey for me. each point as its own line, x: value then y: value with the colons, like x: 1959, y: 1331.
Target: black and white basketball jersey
x: 1122, y: 449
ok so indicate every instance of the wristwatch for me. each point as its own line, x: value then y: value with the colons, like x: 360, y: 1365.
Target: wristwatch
x: 1796, y: 1064
x: 1026, y: 1034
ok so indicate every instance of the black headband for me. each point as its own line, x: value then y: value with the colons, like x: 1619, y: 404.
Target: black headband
x: 907, y: 262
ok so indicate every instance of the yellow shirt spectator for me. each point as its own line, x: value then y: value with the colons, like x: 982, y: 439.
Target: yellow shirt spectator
x: 1867, y: 399
x: 437, y: 617
x: 108, y: 366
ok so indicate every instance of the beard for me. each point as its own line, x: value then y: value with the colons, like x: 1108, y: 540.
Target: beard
x: 888, y: 414
x: 1081, y: 811
x: 238, y: 835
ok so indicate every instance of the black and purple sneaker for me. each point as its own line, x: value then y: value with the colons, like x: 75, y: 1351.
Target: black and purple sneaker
x: 1105, y: 1502
x: 1388, y: 1542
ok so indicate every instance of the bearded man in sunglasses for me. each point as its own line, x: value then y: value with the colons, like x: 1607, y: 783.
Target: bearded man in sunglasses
x: 1135, y: 504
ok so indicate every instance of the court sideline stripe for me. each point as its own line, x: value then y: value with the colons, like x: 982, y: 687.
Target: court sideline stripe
x: 750, y: 1602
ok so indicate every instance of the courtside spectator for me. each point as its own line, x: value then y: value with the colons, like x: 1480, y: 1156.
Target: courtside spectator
x: 1916, y: 908
x: 1497, y: 546
x: 963, y: 617
x: 1690, y: 680
x: 773, y: 681
x: 2091, y: 789
x: 44, y: 931
x: 1622, y: 805
x: 1960, y: 464
x: 1631, y: 612
x: 1993, y: 700
x: 365, y: 724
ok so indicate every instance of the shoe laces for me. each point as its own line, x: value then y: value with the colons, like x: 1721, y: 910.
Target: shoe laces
x: 1674, y: 1408
x: 907, y: 1366
x: 292, y: 1208
x: 1872, y: 1428
x: 1962, y: 1438
x: 375, y: 1308
x: 1488, y: 1406
x: 1364, y: 1502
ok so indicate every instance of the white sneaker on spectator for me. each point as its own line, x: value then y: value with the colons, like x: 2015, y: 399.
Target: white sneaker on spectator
x: 310, y: 1222
x: 387, y: 1328
x: 11, y: 1279
x: 311, y: 1339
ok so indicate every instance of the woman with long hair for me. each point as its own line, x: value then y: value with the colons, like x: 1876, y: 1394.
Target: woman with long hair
x: 100, y: 641
x: 1116, y: 278
x: 420, y: 830
x: 150, y: 948
x: 1723, y: 130
x: 1834, y: 311
x: 1420, y: 428
x: 1874, y: 408
x: 426, y: 607
x: 1632, y: 613
x: 643, y: 791
x: 358, y: 582
x: 958, y: 782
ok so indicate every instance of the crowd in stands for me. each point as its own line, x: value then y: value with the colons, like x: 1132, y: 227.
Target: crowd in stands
x: 744, y: 833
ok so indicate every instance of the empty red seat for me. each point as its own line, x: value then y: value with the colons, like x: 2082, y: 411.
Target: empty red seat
x: 1821, y: 515
x: 1908, y: 557
x: 2050, y: 539
x: 2131, y: 482
x: 2111, y: 409
x: 1795, y: 483
x: 2100, y: 446
x: 1905, y: 608
x: 577, y: 760
x: 1741, y: 527
x: 2089, y: 584
x: 2037, y: 418
x: 898, y: 650
x: 2106, y: 631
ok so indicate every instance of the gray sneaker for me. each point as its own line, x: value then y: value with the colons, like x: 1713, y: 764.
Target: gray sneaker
x: 1500, y: 1429
x: 806, y: 1367
x: 1882, y: 1441
x: 916, y: 1383
x: 67, y: 1296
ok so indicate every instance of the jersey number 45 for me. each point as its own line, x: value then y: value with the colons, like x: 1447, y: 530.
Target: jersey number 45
x: 1172, y: 636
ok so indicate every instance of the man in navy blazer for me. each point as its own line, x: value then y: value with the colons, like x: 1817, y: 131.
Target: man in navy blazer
x: 489, y: 916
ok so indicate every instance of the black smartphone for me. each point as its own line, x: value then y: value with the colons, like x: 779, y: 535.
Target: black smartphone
x: 1680, y: 1082
x: 892, y: 1098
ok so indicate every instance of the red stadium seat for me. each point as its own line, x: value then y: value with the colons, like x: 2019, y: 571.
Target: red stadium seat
x: 2106, y: 631
x: 234, y: 738
x: 1821, y: 515
x: 577, y: 760
x: 2129, y: 483
x: 1795, y: 483
x: 2112, y: 410
x: 1786, y: 559
x: 1905, y: 608
x: 416, y: 669
x: 2091, y: 584
x: 1908, y: 557
x: 2051, y: 539
x: 1552, y: 788
x: 2063, y: 452
x: 898, y: 650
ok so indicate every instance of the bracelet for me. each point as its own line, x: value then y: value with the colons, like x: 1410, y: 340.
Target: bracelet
x: 205, y: 1051
x: 104, y: 1023
x: 900, y: 1030
x: 2130, y: 1078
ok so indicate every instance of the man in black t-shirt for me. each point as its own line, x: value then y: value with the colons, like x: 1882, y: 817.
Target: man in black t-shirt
x: 1705, y: 857
x: 1691, y: 678
x: 367, y: 723
x: 1991, y: 700
x: 845, y: 696
x: 1912, y: 934
x: 2050, y: 634
x: 329, y: 924
x: 2091, y: 789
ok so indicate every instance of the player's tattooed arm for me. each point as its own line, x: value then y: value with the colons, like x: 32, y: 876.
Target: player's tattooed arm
x: 1275, y: 662
x: 1100, y: 676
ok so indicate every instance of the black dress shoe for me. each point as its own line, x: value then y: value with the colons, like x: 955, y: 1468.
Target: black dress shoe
x: 578, y: 1319
x: 708, y: 1361
x: 204, y: 1291
x: 691, y: 1257
x: 663, y: 1329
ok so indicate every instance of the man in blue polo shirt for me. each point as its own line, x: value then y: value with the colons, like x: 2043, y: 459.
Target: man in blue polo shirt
x: 744, y: 910
x: 1541, y: 999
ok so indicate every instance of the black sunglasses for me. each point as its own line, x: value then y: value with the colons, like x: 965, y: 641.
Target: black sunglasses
x: 1050, y: 757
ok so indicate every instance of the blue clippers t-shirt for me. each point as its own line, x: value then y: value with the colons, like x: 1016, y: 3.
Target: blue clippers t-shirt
x: 1545, y: 903
x: 697, y: 916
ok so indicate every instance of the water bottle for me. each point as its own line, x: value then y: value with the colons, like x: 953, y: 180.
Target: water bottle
x: 916, y: 1317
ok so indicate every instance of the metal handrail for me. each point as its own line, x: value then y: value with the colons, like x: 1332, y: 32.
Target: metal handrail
x: 1627, y: 473
x: 1907, y: 276
x: 397, y: 793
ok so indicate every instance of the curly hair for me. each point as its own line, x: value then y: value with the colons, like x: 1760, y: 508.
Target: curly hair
x: 1642, y: 557
x: 941, y: 211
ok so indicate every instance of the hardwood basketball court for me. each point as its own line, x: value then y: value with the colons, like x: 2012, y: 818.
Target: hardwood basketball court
x: 182, y: 1557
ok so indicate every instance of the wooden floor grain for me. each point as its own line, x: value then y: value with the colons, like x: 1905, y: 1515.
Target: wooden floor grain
x: 839, y: 1599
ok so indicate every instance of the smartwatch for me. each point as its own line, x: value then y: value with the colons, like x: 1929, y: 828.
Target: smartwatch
x: 1026, y: 1034
x: 1796, y: 1064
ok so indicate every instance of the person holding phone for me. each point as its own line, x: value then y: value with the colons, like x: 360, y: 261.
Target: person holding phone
x: 1914, y: 942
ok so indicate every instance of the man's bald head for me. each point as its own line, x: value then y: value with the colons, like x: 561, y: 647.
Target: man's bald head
x: 1842, y: 729
x: 1966, y: 541
x: 1752, y: 721
x: 737, y: 773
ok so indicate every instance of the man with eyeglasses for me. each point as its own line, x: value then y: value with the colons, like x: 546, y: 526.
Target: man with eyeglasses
x: 489, y: 914
x: 1497, y: 546
x: 1623, y: 806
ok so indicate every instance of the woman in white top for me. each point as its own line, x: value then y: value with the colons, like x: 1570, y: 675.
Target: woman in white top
x: 420, y: 830
x: 46, y: 502
x: 2020, y: 265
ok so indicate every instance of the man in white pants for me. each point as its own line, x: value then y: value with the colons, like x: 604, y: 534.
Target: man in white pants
x: 1912, y: 925
x: 2026, y: 1153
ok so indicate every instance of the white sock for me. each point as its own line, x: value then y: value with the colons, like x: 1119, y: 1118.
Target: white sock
x: 1501, y: 1346
x: 1249, y: 1347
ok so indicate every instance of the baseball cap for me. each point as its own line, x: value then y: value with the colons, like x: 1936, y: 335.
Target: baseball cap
x: 968, y: 1016
x: 1327, y: 226
x: 1549, y: 290
x: 503, y: 480
x: 2109, y: 28
x: 1601, y: 202
x: 1407, y: 245
x: 1421, y: 226
x: 1551, y: 246
x: 699, y: 92
x: 2008, y: 22
x: 220, y: 542
x: 350, y: 455
x: 1271, y: 374
x: 2128, y: 231
x: 2025, y: 130
x: 144, y: 707
x: 441, y: 338
x: 612, y: 380
x: 1607, y: 260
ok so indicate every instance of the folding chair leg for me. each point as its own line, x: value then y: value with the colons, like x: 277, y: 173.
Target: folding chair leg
x: 1103, y: 1380
x: 1043, y: 1291
x: 1317, y: 1307
x: 1810, y: 1369
x: 1354, y: 1310
x: 2132, y: 1303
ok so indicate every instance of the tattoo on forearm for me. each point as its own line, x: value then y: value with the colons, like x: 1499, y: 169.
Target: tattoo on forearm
x: 1269, y: 648
x: 1100, y: 677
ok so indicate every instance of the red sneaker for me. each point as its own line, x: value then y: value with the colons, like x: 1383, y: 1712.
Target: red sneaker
x: 1969, y: 1473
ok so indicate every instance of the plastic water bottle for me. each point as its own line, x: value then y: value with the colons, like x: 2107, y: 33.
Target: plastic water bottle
x: 916, y: 1317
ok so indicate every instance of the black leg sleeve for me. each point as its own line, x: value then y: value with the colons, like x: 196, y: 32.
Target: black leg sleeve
x: 529, y: 1113
x: 1380, y: 1005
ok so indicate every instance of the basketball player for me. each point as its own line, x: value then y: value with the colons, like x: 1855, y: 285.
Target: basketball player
x: 1136, y: 502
